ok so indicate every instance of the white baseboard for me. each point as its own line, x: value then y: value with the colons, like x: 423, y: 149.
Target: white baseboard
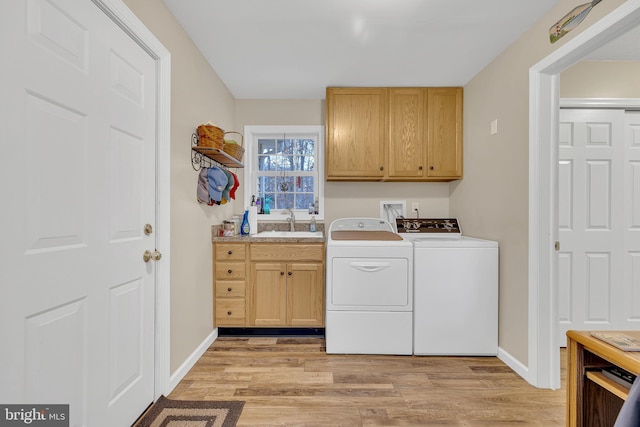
x: 517, y: 366
x: 180, y: 373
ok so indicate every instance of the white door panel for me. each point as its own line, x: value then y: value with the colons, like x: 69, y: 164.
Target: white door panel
x: 78, y: 178
x: 597, y: 208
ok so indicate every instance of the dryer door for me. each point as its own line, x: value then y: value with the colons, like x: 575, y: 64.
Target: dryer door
x: 371, y: 284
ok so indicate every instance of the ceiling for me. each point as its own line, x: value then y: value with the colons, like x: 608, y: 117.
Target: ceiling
x: 294, y: 49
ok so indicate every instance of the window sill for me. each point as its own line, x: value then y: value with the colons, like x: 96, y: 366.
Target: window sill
x: 282, y: 217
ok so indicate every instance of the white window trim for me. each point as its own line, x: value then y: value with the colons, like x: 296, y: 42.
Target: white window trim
x: 250, y: 133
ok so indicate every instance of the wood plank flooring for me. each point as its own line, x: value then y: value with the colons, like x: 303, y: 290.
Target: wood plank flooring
x: 293, y: 382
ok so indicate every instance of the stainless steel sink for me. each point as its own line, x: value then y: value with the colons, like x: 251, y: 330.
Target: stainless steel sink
x: 291, y: 234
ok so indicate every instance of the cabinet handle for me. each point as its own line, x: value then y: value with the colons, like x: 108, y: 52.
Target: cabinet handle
x: 381, y: 168
x: 229, y: 271
x: 230, y: 252
x: 282, y: 273
x: 228, y: 313
x: 419, y: 168
x: 228, y: 289
x: 432, y: 167
x: 289, y: 273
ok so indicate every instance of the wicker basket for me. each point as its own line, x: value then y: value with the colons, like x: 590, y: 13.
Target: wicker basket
x: 210, y: 137
x: 235, y: 150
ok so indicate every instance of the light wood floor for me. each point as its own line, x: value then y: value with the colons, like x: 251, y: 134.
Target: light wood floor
x: 293, y: 382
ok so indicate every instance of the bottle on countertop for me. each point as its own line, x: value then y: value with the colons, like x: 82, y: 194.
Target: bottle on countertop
x: 312, y: 224
x: 237, y: 221
x: 267, y: 208
x: 244, y: 228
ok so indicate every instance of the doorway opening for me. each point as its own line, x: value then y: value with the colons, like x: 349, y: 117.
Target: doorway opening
x: 543, y: 356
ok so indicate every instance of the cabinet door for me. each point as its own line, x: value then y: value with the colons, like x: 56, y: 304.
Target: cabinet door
x: 305, y: 294
x: 269, y: 294
x: 356, y: 133
x: 444, y: 132
x: 407, y: 136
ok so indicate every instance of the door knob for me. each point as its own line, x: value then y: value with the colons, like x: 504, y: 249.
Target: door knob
x: 155, y: 255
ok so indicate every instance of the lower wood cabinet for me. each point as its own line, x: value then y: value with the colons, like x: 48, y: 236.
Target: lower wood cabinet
x: 229, y: 284
x: 287, y: 294
x: 273, y: 285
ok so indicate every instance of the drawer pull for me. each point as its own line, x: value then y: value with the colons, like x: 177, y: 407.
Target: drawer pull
x: 228, y: 313
x: 289, y: 273
x: 229, y: 271
x: 230, y: 252
x: 228, y: 289
x: 282, y: 273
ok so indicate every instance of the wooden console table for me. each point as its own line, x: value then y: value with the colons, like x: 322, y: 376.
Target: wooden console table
x: 592, y: 398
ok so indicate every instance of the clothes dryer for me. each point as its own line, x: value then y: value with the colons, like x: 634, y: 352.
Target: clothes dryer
x: 369, y: 283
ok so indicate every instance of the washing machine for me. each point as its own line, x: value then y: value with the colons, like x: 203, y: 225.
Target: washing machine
x: 369, y: 288
x: 455, y: 289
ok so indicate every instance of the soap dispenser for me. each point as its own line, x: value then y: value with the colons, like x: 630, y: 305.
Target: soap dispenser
x: 312, y: 224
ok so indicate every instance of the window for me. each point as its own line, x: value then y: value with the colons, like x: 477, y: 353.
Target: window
x: 284, y: 166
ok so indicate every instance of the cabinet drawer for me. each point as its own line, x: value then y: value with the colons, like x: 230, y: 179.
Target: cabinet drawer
x: 230, y: 251
x: 230, y: 288
x: 286, y: 252
x: 230, y: 312
x: 230, y: 270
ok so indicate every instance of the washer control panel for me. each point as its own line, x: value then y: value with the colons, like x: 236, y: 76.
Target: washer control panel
x: 430, y: 227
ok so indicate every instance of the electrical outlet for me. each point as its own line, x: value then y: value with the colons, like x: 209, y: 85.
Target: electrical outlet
x: 415, y: 206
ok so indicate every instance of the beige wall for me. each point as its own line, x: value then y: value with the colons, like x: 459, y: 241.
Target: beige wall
x: 344, y: 199
x: 197, y: 95
x: 605, y: 79
x: 492, y: 200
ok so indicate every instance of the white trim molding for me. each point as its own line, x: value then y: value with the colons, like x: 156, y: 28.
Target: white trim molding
x: 601, y: 103
x: 132, y: 26
x: 183, y: 369
x: 251, y: 133
x: 543, y: 355
x: 517, y: 366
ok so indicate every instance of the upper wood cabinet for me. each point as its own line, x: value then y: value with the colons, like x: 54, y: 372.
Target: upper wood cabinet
x: 444, y: 140
x: 407, y: 133
x: 356, y: 129
x: 417, y: 136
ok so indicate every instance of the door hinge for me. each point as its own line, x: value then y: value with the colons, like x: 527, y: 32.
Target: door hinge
x: 557, y: 246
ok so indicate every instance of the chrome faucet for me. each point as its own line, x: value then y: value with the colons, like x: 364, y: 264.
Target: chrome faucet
x: 292, y: 220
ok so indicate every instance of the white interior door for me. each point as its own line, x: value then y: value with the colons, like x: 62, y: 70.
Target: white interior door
x: 599, y: 220
x: 78, y: 124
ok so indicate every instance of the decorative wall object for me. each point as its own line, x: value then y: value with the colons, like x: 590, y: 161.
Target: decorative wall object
x: 570, y: 20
